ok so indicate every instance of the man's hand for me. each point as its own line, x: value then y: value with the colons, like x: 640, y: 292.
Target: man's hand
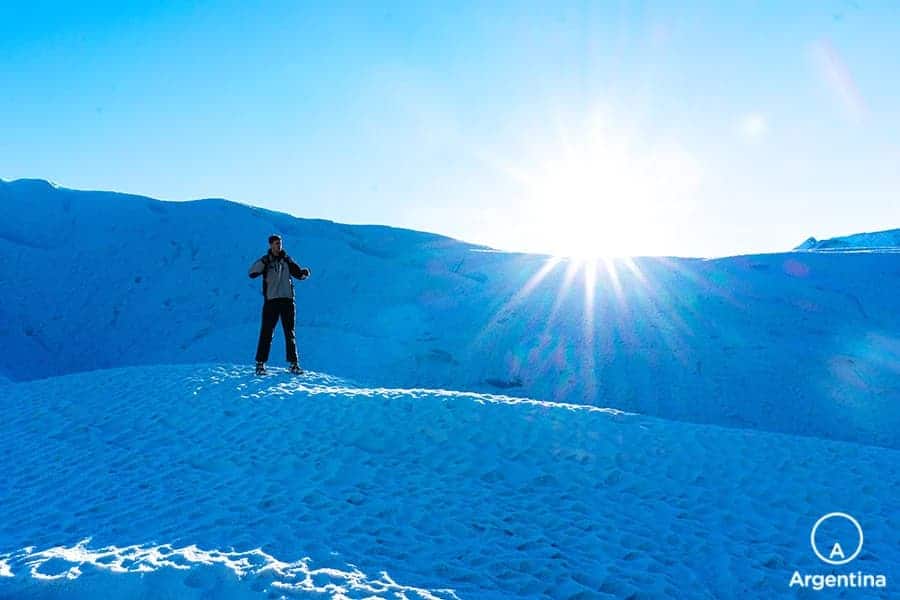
x: 296, y: 270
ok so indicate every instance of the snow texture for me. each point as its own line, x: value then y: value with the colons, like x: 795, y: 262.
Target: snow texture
x: 316, y: 485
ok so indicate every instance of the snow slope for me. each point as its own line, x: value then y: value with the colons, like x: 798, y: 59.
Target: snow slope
x: 115, y: 481
x: 801, y: 343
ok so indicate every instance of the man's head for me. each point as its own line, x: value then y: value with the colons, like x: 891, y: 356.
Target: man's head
x: 275, y: 243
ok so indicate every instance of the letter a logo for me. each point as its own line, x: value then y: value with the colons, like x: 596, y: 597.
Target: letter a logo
x: 836, y: 551
x: 837, y: 556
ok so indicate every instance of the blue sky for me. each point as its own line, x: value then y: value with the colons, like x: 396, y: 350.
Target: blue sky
x: 599, y: 127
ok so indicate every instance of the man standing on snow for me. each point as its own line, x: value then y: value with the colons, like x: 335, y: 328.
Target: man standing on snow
x: 277, y: 268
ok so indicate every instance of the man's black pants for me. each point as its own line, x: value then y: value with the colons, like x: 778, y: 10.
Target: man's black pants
x: 274, y: 309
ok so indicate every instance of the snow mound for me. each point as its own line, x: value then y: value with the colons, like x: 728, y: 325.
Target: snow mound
x: 255, y: 483
x: 801, y: 343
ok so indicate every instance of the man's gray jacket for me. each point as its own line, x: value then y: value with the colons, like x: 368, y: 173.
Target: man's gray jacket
x: 276, y: 270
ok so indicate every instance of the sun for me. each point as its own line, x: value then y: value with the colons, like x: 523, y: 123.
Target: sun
x: 584, y: 210
x: 600, y: 188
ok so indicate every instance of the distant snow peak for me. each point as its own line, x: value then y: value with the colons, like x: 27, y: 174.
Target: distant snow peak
x: 810, y: 242
x: 887, y: 240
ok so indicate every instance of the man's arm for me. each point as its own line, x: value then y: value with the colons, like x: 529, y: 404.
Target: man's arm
x: 256, y: 269
x: 296, y: 270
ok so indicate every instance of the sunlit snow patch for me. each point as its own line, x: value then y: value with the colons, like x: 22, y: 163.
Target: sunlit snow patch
x: 254, y: 570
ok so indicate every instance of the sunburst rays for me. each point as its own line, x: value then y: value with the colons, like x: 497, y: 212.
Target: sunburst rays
x: 575, y: 318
